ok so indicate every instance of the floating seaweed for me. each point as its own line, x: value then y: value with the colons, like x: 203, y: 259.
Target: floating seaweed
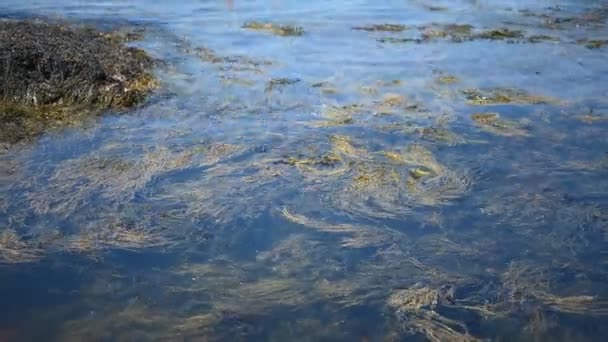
x: 116, y: 179
x: 14, y: 249
x: 440, y: 134
x: 492, y: 122
x: 500, y: 34
x: 495, y: 96
x: 279, y: 82
x: 447, y: 79
x: 335, y: 162
x: 395, y: 40
x: 276, y: 29
x: 355, y: 236
x: 593, y: 44
x: 384, y: 190
x: 542, y: 38
x: 415, y: 308
x: 381, y: 28
x: 453, y: 32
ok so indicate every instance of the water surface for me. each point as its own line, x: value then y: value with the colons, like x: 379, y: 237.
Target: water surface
x: 343, y: 184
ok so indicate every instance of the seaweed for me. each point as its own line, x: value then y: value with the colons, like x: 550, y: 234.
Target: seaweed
x: 385, y: 190
x: 276, y: 29
x: 355, y: 236
x: 395, y: 40
x: 415, y: 308
x: 453, y: 32
x: 382, y: 28
x: 447, y: 79
x: 494, y: 96
x: 391, y: 102
x: 500, y: 34
x: 440, y: 134
x: 338, y: 160
x: 16, y: 250
x: 226, y: 63
x: 542, y: 38
x: 590, y: 118
x: 279, y: 82
x: 77, y: 181
x: 593, y: 44
x: 492, y: 122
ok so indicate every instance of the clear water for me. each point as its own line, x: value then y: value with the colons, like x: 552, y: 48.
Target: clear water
x: 230, y: 208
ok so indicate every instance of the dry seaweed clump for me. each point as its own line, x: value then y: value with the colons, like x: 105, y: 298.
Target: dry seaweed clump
x: 52, y: 71
x: 381, y: 27
x: 496, y: 96
x: 492, y: 122
x: 276, y: 29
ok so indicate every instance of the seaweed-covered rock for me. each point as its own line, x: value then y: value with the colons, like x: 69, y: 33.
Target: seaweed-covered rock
x: 47, y: 69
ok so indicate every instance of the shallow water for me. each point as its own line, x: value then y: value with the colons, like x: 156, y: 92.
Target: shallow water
x: 356, y: 197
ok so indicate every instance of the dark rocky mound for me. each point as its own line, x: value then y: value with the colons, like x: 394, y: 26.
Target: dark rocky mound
x: 52, y: 72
